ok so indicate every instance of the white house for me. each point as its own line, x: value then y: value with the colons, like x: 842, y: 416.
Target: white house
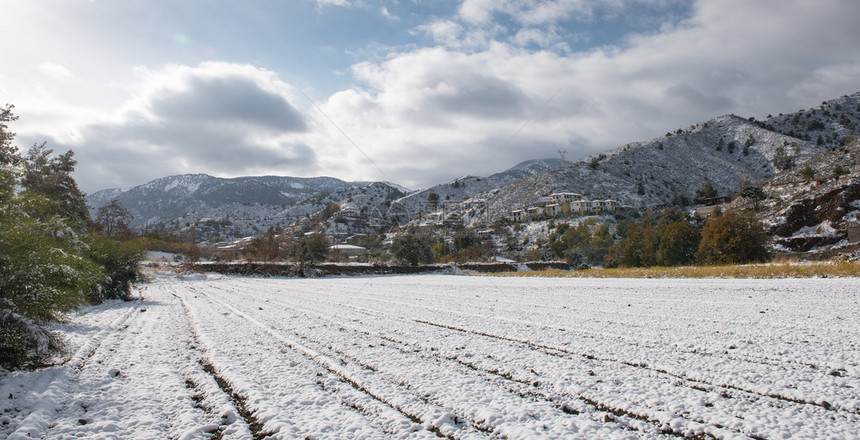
x: 346, y: 250
x: 564, y: 197
x: 553, y: 210
x: 484, y: 234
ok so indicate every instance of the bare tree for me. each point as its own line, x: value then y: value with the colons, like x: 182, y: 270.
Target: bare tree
x: 113, y: 219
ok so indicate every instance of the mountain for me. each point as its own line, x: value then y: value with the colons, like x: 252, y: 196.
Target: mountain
x: 419, y: 202
x: 809, y: 208
x: 166, y: 199
x: 667, y: 170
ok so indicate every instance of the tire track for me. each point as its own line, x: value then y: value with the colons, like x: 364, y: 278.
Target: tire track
x: 239, y: 402
x: 551, y: 350
x: 334, y: 367
x: 689, y: 382
x: 524, y: 388
x: 55, y: 385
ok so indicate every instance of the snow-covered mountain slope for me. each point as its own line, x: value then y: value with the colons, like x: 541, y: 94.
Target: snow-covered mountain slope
x: 168, y: 198
x: 462, y: 188
x: 725, y: 151
x: 810, y: 209
x: 827, y: 124
x: 361, y: 210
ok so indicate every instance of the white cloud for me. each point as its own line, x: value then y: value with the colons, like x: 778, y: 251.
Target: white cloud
x: 445, y: 32
x: 528, y: 12
x: 456, y: 109
x: 428, y: 114
x: 388, y: 15
x: 321, y: 3
x: 55, y: 71
x: 220, y: 118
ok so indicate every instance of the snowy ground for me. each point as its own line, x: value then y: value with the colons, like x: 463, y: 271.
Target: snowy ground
x: 454, y: 357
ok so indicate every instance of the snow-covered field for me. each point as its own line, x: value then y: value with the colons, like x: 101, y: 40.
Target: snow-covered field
x: 454, y: 357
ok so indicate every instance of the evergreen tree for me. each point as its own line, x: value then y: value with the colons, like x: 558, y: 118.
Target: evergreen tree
x: 52, y: 178
x: 707, y: 191
x: 47, y: 266
x: 412, y: 248
x: 781, y: 160
x: 753, y: 192
x: 310, y: 249
x: 8, y: 152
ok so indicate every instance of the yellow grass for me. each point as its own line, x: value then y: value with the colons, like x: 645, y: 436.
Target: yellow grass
x: 772, y: 270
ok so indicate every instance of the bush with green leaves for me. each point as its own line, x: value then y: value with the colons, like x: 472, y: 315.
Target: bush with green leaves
x: 120, y: 261
x: 42, y: 274
x: 310, y: 249
x: 412, y: 247
x: 48, y: 266
x: 733, y: 238
x: 669, y: 240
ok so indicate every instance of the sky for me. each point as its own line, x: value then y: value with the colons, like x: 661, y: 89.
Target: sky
x: 416, y: 92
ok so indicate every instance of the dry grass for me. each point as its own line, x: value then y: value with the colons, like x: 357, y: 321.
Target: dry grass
x: 772, y: 270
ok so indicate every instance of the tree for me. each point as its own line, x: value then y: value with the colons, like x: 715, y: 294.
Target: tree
x: 733, y: 238
x: 42, y: 274
x: 112, y: 219
x: 706, y: 191
x: 433, y: 199
x: 808, y: 173
x: 781, y: 160
x: 52, y: 178
x: 310, y: 248
x: 47, y: 265
x: 753, y: 192
x: 412, y: 248
x: 8, y: 152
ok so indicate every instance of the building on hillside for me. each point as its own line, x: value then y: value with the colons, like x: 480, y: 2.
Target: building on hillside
x: 520, y: 215
x: 348, y: 212
x: 580, y: 207
x: 553, y: 210
x: 346, y: 250
x: 714, y: 201
x: 543, y: 201
x: 561, y: 204
x: 603, y: 206
x: 564, y: 197
x: 484, y: 234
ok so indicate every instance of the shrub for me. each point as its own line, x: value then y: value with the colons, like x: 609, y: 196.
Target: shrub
x: 412, y: 248
x: 120, y: 261
x: 312, y: 248
x: 733, y: 238
x: 42, y: 275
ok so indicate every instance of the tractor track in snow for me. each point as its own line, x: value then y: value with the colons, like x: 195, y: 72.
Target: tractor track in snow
x: 705, y: 386
x: 555, y: 350
x: 527, y: 389
x: 632, y: 341
x: 559, y: 351
x: 55, y: 382
x: 335, y: 366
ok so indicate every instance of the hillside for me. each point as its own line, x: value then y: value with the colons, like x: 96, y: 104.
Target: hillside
x: 810, y: 209
x: 667, y: 170
x: 419, y: 202
x: 166, y: 199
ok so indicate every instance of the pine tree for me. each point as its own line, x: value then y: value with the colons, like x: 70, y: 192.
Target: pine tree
x: 52, y: 178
